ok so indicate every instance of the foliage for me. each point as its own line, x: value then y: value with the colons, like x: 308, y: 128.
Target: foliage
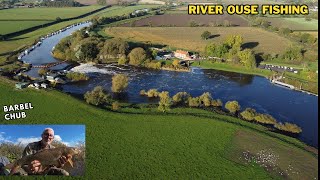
x: 88, y: 51
x: 77, y: 76
x: 216, y: 103
x: 137, y: 56
x: 153, y: 64
x: 122, y: 60
x: 62, y: 3
x: 180, y: 98
x: 247, y: 58
x: 115, y: 47
x: 265, y: 119
x: 248, y: 114
x: 232, y: 106
x: 192, y: 23
x: 116, y: 106
x: 176, y: 63
x: 97, y: 96
x: 152, y: 93
x: 293, y: 53
x: 205, y: 35
x: 142, y: 92
x: 42, y: 71
x: 289, y: 127
x: 194, y: 101
x: 119, y: 83
x: 285, y: 31
x: 234, y: 41
x: 205, y: 99
x: 11, y: 151
x: 165, y: 101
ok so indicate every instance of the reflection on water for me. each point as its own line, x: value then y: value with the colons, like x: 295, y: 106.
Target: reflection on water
x: 250, y: 91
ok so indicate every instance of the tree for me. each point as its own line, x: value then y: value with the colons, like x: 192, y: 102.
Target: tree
x: 289, y: 127
x: 137, y: 56
x: 232, y: 106
x: 165, y: 101
x: 194, y: 102
x: 247, y: 58
x: 234, y: 41
x: 97, y: 96
x: 122, y: 60
x: 293, y: 53
x: 248, y: 114
x: 216, y: 103
x: 265, y: 119
x: 115, y: 47
x: 176, y: 63
x: 285, y: 31
x: 205, y: 35
x: 42, y: 71
x: 102, y: 2
x: 181, y: 98
x: 206, y: 99
x: 119, y: 83
x: 88, y: 51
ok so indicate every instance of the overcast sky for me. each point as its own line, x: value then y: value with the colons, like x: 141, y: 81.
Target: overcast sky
x: 24, y: 134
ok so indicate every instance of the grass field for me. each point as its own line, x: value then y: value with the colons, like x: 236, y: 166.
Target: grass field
x: 189, y: 38
x: 45, y: 13
x: 294, y: 23
x: 28, y: 39
x: 186, y: 143
x: 13, y: 26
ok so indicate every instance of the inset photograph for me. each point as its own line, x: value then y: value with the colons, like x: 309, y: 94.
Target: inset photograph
x: 42, y: 150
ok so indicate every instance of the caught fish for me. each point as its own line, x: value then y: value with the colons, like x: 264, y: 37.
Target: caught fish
x: 47, y: 157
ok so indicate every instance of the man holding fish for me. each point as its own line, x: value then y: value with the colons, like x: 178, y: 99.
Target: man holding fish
x: 35, y: 166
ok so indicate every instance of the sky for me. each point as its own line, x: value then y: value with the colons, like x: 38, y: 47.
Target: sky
x: 24, y: 134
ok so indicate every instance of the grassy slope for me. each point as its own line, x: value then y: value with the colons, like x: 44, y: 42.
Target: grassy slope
x: 294, y: 23
x: 146, y: 145
x: 190, y: 37
x: 13, y: 26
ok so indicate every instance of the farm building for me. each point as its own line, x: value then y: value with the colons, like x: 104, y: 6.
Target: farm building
x: 182, y: 55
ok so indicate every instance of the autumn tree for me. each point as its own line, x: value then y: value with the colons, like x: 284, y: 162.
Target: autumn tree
x: 119, y: 83
x: 248, y: 114
x: 232, y: 106
x: 137, y: 56
x: 97, y: 96
x: 205, y: 35
x: 247, y: 58
x: 165, y: 101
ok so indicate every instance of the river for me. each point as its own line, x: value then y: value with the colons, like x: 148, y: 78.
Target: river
x: 250, y: 91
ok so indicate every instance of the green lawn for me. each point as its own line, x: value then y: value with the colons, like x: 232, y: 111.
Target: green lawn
x: 294, y: 23
x: 45, y: 13
x: 145, y: 144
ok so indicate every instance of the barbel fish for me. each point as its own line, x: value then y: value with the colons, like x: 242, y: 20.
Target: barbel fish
x: 47, y: 157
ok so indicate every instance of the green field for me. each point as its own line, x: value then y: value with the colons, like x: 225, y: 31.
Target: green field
x: 13, y: 26
x: 45, y: 13
x: 143, y: 143
x: 294, y: 23
x: 189, y: 38
x: 28, y: 38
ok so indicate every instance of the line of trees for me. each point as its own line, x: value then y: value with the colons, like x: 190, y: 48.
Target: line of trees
x: 61, y: 3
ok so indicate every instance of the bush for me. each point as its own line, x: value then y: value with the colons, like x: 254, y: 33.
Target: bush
x: 206, y: 99
x: 143, y: 92
x: 194, y: 102
x: 248, y: 114
x: 119, y: 83
x: 42, y: 71
x: 76, y: 76
x: 165, y: 101
x: 233, y: 106
x: 216, y: 103
x: 152, y: 93
x: 97, y: 96
x: 265, y: 119
x: 115, y: 106
x: 181, y: 98
x: 289, y: 127
x: 122, y: 60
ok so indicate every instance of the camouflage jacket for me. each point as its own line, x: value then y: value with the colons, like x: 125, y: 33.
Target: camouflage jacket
x: 34, y: 147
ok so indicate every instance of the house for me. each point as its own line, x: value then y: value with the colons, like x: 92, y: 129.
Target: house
x: 44, y: 85
x: 182, y: 54
x: 21, y: 85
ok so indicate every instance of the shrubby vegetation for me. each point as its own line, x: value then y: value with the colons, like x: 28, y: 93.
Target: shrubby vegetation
x: 289, y: 127
x: 165, y: 101
x: 265, y: 119
x: 76, y: 76
x: 232, y: 106
x: 61, y: 3
x: 248, y: 114
x: 98, y: 97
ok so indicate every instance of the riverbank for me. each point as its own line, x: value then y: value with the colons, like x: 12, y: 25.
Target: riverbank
x: 240, y: 69
x: 163, y: 139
